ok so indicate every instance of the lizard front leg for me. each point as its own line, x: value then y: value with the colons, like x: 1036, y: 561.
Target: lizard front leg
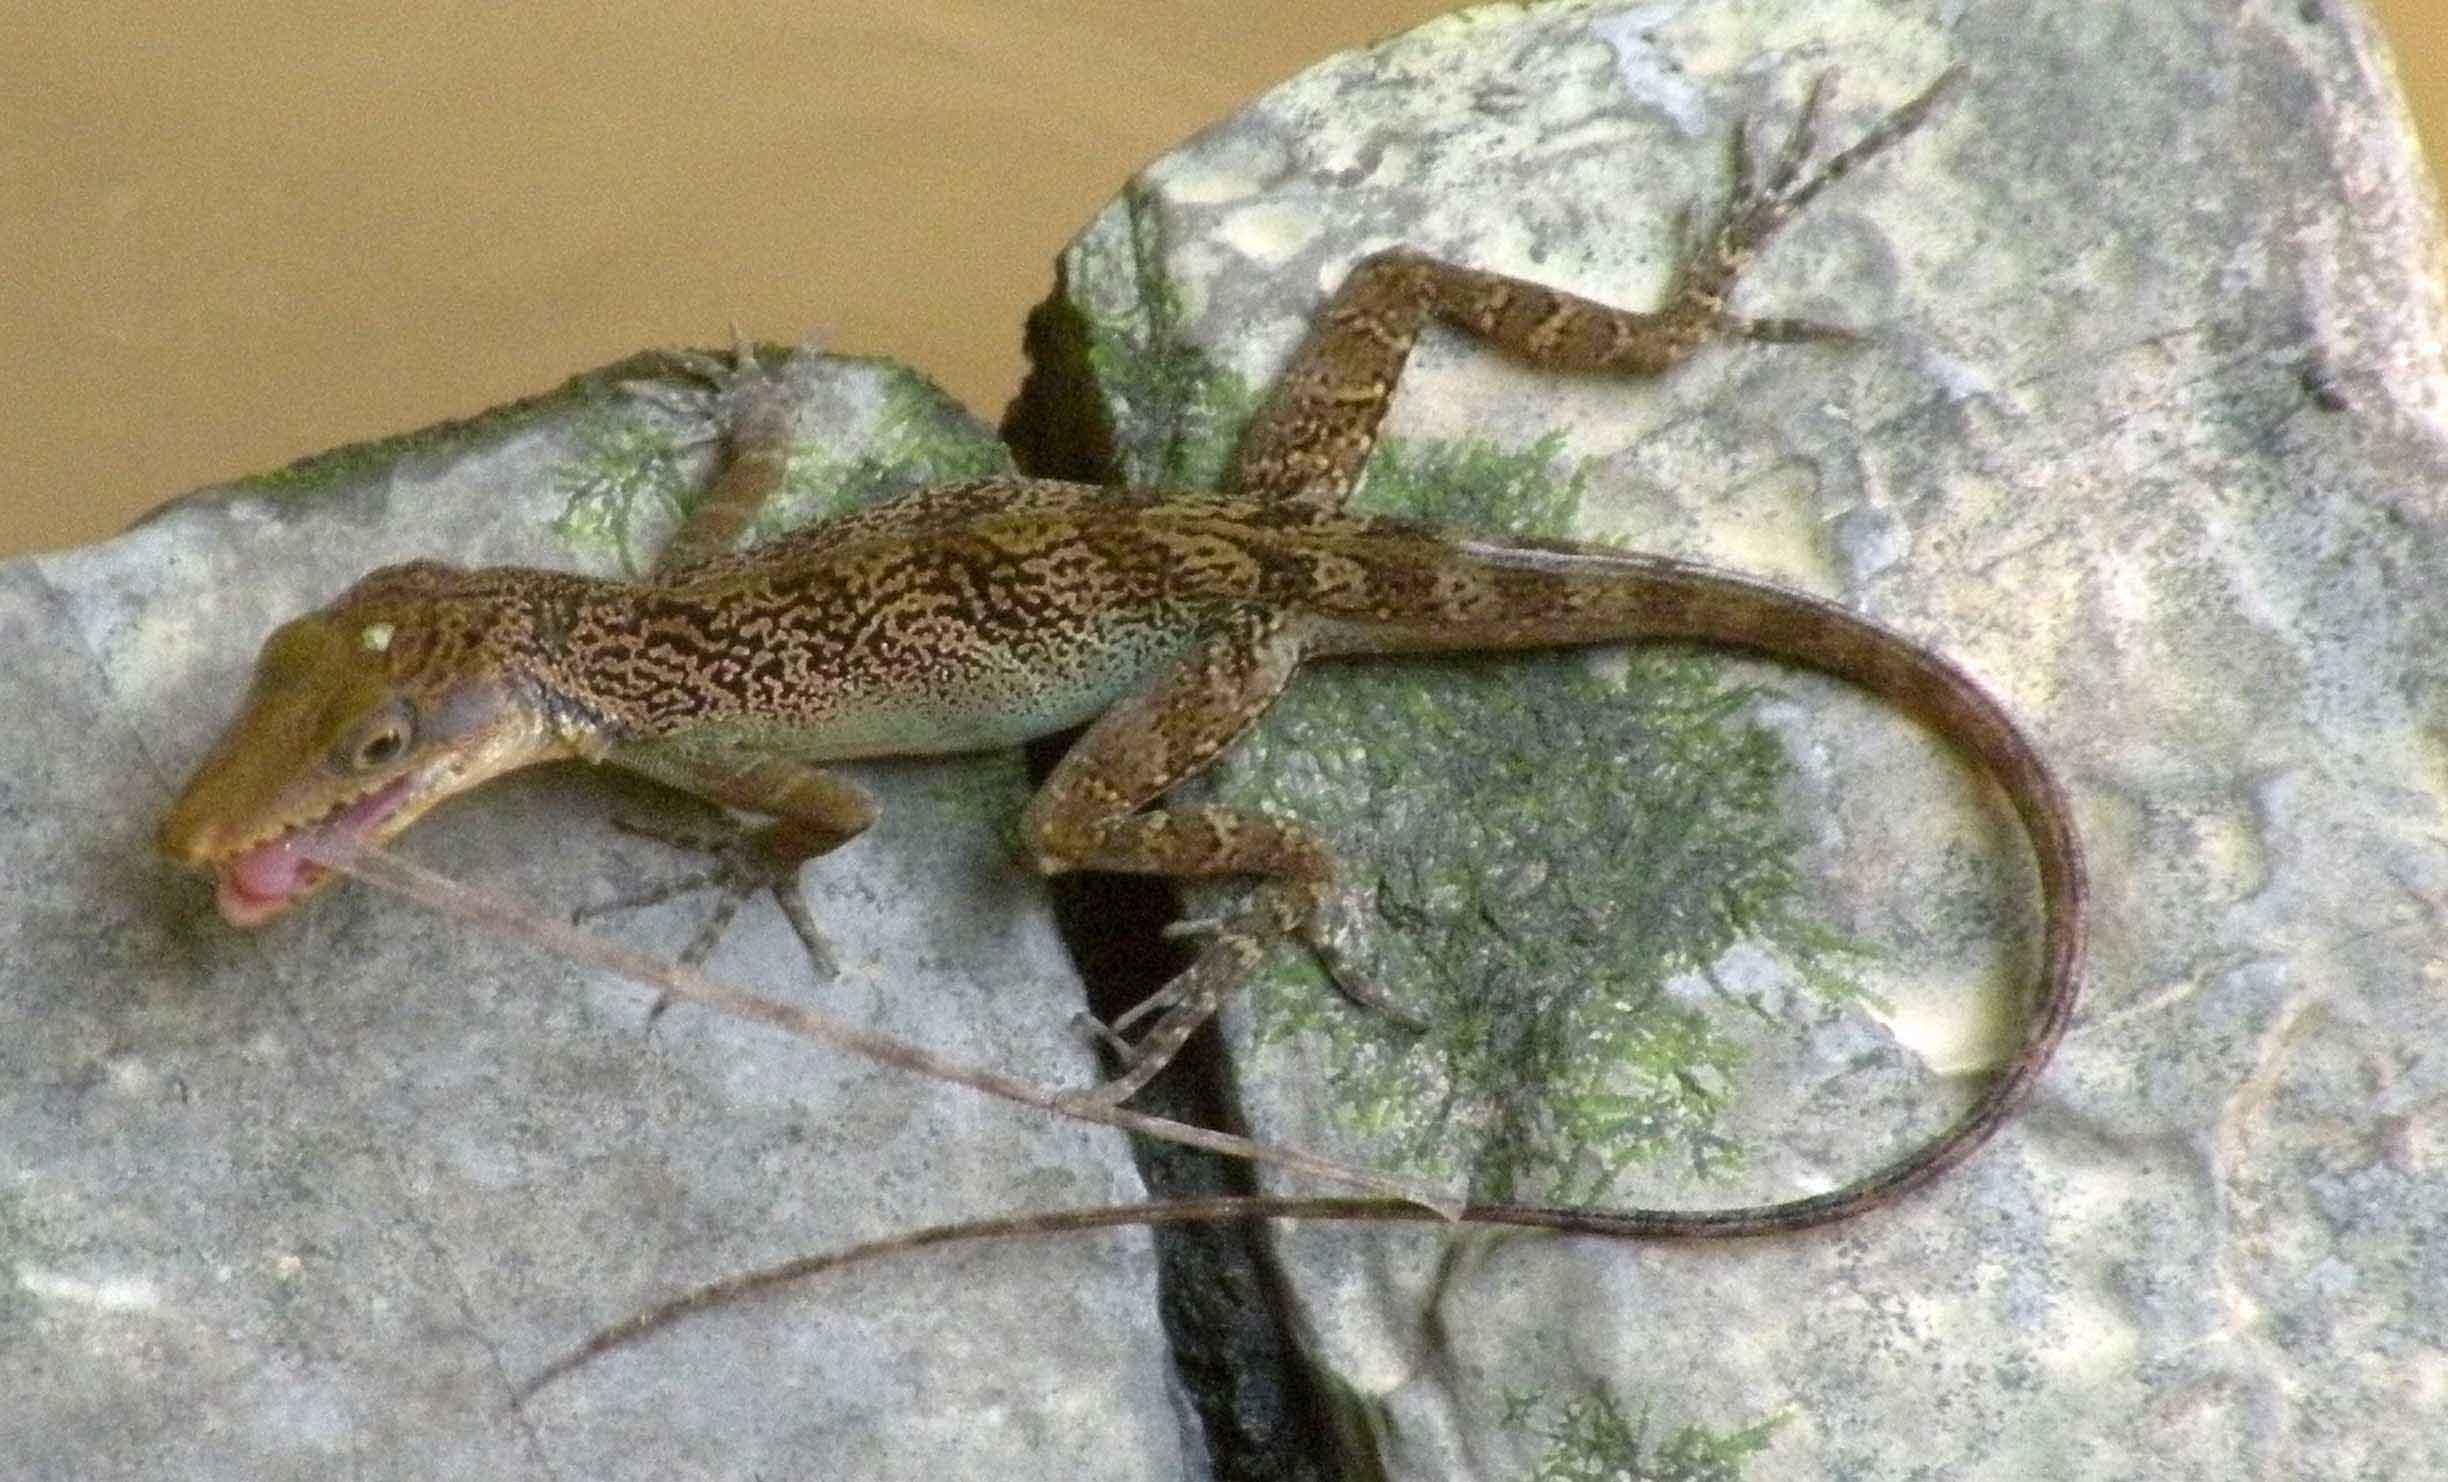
x: 1088, y: 816
x: 815, y: 813
x: 749, y: 407
x: 1310, y: 441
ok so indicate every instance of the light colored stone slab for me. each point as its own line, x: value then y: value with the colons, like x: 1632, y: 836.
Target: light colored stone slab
x: 308, y: 1203
x: 2145, y: 429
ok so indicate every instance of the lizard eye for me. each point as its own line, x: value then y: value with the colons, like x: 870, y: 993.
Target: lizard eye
x: 382, y: 747
x: 383, y: 740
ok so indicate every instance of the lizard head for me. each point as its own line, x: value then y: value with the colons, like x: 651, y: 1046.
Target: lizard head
x: 362, y: 716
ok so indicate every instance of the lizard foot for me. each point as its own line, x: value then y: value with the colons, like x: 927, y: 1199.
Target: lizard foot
x: 714, y: 394
x: 1765, y: 195
x: 1187, y: 1002
x: 1326, y: 919
x: 1235, y: 945
x: 1331, y: 929
x: 743, y: 863
x: 1321, y: 917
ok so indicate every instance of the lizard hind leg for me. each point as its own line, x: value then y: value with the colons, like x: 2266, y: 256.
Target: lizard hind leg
x: 1313, y: 436
x: 746, y: 406
x: 1087, y: 816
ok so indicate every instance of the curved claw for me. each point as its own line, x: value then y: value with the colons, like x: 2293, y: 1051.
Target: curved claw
x: 1332, y: 932
x: 711, y: 392
x: 1763, y: 196
x: 742, y: 865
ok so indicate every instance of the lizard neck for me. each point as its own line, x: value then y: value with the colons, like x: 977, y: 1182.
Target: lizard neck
x: 536, y: 633
x: 642, y: 660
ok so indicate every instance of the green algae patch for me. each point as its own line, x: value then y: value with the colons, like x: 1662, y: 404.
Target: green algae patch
x: 1556, y: 859
x: 1176, y: 416
x: 1554, y: 855
x: 443, y: 441
x: 920, y: 438
x: 1473, y: 484
x: 989, y: 786
x: 352, y: 463
x: 622, y: 490
x: 1592, y: 1440
x: 634, y: 475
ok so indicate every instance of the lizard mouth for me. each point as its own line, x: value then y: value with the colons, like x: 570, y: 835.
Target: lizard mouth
x: 252, y: 887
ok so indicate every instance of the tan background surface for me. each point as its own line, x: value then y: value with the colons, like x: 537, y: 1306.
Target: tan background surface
x: 239, y: 234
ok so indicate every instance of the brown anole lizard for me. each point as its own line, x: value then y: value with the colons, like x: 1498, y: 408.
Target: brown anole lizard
x: 983, y: 614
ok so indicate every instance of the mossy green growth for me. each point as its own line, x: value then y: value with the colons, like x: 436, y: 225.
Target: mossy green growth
x: 1591, y: 1440
x: 444, y: 441
x: 1177, y: 415
x: 1547, y: 848
x: 990, y: 787
x: 1475, y: 485
x: 317, y: 472
x: 623, y: 490
x: 628, y: 486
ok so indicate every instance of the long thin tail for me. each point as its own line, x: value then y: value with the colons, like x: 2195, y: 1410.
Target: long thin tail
x: 1540, y: 594
x: 1619, y: 596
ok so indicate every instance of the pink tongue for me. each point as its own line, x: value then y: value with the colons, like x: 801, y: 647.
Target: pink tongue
x: 270, y: 871
x: 254, y: 886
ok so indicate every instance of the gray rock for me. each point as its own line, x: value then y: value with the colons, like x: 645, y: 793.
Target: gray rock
x: 2145, y: 427
x: 308, y: 1203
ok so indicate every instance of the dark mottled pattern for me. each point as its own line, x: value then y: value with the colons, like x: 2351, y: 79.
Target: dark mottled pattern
x: 984, y: 596
x: 1043, y: 601
x: 985, y: 613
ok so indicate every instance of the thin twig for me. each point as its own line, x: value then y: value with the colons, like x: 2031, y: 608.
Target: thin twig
x: 388, y: 871
x: 738, y: 1287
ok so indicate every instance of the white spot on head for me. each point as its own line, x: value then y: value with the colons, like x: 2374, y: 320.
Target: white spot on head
x: 376, y: 637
